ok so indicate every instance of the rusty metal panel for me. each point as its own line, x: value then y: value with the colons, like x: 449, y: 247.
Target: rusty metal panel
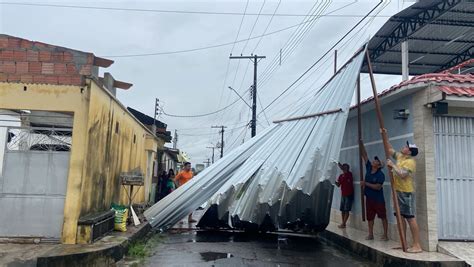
x: 279, y: 178
x: 454, y: 150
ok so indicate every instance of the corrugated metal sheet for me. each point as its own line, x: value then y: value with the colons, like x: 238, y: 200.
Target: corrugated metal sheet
x: 439, y: 40
x: 454, y: 150
x: 280, y: 177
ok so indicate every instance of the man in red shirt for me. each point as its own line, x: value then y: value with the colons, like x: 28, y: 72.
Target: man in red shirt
x: 345, y: 182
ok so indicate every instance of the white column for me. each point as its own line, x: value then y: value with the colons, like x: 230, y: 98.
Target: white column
x: 405, y: 71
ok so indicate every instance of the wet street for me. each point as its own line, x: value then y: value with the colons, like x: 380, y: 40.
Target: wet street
x: 203, y: 248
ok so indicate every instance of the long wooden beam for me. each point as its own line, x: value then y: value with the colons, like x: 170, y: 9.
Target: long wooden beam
x: 386, y: 145
x: 361, y: 163
x: 309, y: 116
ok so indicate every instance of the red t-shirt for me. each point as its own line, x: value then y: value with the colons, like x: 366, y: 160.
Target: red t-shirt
x: 346, y: 182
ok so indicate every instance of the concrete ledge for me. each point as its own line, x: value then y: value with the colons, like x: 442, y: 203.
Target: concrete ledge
x: 108, y: 253
x: 382, y: 252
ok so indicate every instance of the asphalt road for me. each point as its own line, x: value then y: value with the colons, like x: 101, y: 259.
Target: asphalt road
x: 202, y: 248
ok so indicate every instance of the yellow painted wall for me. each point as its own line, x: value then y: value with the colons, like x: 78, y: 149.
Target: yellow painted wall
x: 98, y: 153
x: 57, y: 98
x: 116, y: 143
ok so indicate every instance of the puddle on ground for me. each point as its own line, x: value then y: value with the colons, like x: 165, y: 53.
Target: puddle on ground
x: 212, y: 256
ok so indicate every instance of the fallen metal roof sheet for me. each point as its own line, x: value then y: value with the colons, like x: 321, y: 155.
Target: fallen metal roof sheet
x: 279, y: 178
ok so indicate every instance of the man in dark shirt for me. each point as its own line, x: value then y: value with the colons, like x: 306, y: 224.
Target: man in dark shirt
x: 345, y: 181
x: 373, y: 190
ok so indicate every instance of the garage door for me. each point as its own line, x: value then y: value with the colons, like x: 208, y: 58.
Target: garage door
x: 454, y: 158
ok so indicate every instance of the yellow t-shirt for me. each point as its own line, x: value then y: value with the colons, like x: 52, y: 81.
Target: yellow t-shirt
x: 409, y: 164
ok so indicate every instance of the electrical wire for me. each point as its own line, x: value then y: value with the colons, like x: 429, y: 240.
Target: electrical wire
x: 317, y: 61
x: 199, y: 115
x: 287, y: 51
x: 169, y: 11
x: 209, y: 47
x: 364, y: 27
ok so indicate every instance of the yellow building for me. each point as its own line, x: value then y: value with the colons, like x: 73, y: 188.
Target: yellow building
x: 105, y: 140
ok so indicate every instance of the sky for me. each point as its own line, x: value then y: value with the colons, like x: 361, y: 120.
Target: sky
x: 149, y: 50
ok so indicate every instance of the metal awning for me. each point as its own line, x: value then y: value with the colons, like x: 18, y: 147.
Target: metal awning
x: 440, y: 35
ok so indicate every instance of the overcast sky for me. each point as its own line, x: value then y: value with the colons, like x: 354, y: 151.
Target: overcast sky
x: 190, y: 83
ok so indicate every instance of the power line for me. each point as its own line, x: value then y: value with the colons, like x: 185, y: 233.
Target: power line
x: 210, y: 46
x: 198, y: 115
x: 317, y: 61
x: 228, y: 60
x: 289, y: 49
x: 368, y: 23
x: 173, y: 11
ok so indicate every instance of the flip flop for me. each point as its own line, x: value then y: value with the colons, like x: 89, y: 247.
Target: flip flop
x: 384, y: 239
x: 398, y: 248
x: 341, y: 226
x: 369, y: 238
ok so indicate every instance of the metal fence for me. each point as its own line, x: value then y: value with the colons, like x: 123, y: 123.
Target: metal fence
x: 38, y: 138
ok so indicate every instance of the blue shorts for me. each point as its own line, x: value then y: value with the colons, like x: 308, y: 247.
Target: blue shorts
x: 346, y: 203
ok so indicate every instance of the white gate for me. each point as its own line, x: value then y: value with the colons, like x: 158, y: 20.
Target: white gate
x: 454, y: 158
x: 33, y: 181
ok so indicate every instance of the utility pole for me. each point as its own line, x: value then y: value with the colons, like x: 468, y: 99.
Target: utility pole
x: 207, y: 162
x: 212, y: 147
x: 254, y: 59
x: 175, y: 139
x: 153, y: 128
x: 222, y: 127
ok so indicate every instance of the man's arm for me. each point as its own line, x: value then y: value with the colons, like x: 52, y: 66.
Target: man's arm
x: 363, y: 152
x: 391, y: 151
x: 401, y: 172
x: 374, y: 186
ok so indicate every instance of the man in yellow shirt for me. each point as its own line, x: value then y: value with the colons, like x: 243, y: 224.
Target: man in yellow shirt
x: 403, y: 171
x: 183, y: 177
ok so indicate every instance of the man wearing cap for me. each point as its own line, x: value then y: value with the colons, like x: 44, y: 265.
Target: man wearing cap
x: 403, y: 172
x: 373, y: 191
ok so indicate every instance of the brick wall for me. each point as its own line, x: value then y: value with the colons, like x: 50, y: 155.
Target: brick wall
x: 27, y: 61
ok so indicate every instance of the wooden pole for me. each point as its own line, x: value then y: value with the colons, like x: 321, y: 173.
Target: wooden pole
x: 386, y: 145
x: 361, y: 163
x: 309, y: 116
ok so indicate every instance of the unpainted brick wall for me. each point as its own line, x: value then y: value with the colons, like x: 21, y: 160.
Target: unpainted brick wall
x: 35, y: 62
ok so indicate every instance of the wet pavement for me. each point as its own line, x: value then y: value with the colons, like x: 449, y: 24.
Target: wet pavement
x: 211, y: 248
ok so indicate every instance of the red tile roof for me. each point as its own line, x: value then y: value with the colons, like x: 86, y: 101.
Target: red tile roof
x: 444, y: 78
x: 459, y: 91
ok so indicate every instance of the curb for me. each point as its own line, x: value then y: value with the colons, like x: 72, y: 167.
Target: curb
x: 379, y: 257
x: 100, y: 257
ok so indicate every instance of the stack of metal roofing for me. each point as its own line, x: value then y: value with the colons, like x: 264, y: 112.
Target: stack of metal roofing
x: 278, y: 179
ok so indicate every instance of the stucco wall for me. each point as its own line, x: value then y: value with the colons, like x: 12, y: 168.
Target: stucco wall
x: 98, y: 153
x: 57, y: 98
x: 116, y: 143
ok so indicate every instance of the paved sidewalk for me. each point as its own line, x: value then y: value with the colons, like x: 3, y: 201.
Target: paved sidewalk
x: 105, y: 250
x: 462, y: 250
x: 383, y: 251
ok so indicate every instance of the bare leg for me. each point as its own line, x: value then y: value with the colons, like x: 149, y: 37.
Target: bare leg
x: 343, y: 217
x: 371, y: 230
x: 346, y: 218
x: 415, y: 233
x: 190, y: 218
x: 385, y: 229
x: 404, y: 225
